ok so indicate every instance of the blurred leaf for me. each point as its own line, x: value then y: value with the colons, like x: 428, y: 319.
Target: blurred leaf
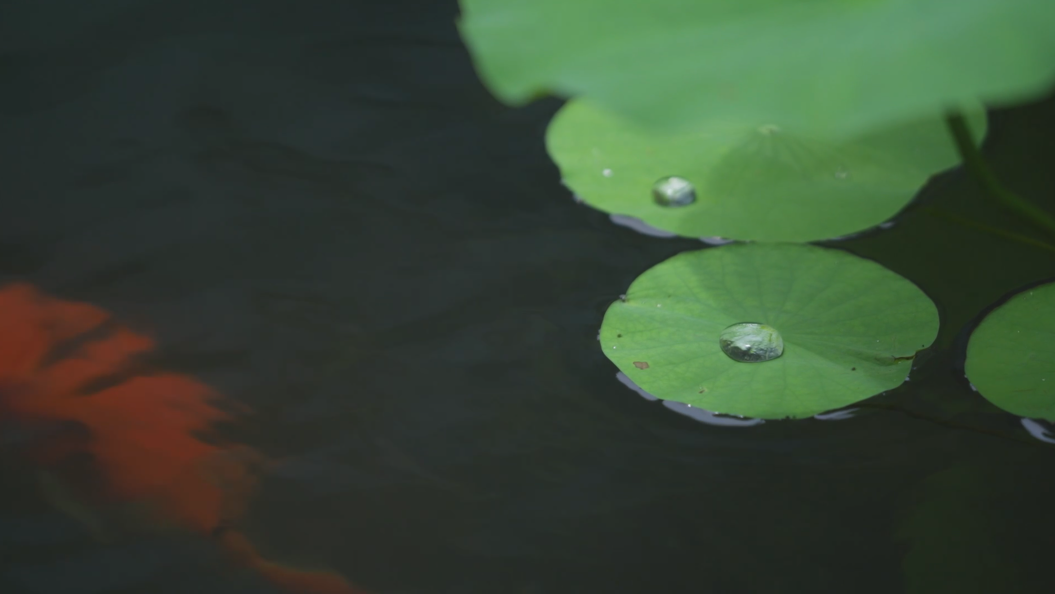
x: 830, y: 66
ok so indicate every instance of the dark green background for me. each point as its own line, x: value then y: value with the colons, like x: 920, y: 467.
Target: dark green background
x: 318, y: 209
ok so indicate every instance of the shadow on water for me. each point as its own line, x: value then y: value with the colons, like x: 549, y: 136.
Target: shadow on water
x: 317, y: 210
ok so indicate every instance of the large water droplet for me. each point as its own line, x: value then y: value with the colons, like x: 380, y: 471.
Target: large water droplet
x: 748, y: 342
x: 673, y: 191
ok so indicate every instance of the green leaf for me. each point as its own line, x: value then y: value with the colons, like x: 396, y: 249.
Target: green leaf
x: 1011, y: 355
x: 831, y: 66
x: 753, y: 180
x: 849, y: 327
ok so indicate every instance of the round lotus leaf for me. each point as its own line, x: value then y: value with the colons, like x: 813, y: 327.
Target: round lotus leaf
x: 836, y: 66
x: 847, y: 329
x: 747, y: 180
x: 1011, y: 355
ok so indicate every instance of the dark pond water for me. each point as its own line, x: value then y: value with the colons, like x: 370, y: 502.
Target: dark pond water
x: 316, y: 208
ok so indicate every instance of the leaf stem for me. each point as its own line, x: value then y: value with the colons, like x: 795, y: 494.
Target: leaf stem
x: 944, y: 422
x: 966, y: 222
x: 973, y: 162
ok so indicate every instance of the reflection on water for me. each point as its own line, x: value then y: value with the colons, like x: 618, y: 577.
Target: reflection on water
x: 626, y: 381
x: 838, y: 415
x: 1039, y: 430
x: 693, y: 412
x: 108, y: 431
x: 640, y: 226
x: 708, y: 417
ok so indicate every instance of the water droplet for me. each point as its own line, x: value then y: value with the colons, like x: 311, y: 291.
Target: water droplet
x: 842, y: 173
x: 606, y: 172
x: 673, y: 191
x: 748, y: 342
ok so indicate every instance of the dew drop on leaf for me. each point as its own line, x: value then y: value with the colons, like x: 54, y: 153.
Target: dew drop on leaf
x: 673, y: 191
x: 749, y: 342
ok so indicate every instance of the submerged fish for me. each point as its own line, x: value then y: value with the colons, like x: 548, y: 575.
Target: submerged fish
x: 129, y: 435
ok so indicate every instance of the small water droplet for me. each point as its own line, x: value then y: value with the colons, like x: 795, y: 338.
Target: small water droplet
x: 749, y: 342
x: 606, y: 172
x: 842, y: 173
x: 673, y: 191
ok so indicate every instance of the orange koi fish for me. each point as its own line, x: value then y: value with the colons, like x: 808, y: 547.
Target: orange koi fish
x: 136, y: 430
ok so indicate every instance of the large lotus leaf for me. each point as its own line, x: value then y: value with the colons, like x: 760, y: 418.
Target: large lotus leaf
x: 753, y: 180
x: 1011, y: 355
x: 835, y: 66
x: 850, y: 329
